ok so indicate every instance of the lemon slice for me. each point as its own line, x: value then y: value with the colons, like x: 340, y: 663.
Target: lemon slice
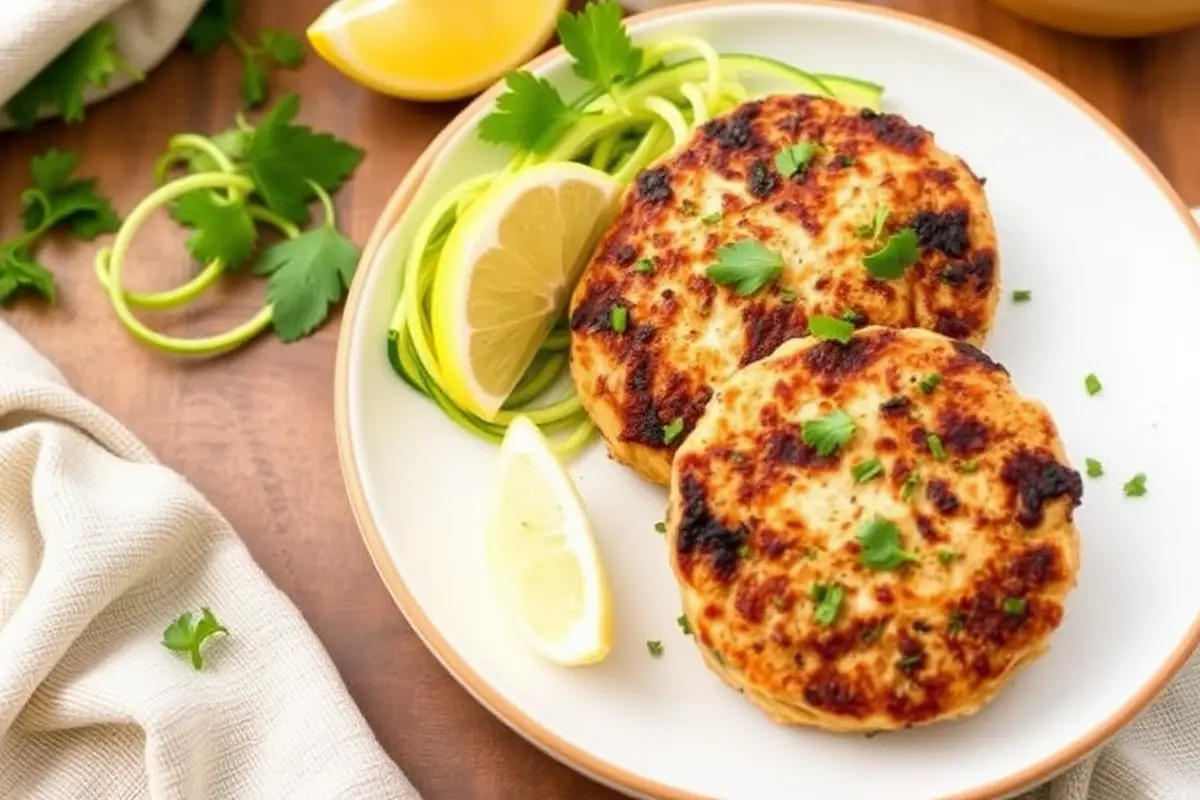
x: 505, y: 275
x: 432, y: 49
x: 543, y: 560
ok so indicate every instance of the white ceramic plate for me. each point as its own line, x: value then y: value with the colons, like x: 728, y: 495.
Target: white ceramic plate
x: 1114, y: 265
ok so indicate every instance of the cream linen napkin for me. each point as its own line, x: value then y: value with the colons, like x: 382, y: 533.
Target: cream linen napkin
x: 100, y: 548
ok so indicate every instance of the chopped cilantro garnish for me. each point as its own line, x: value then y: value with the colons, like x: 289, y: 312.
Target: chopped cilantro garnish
x: 661, y: 527
x: 830, y: 328
x: 787, y: 295
x: 711, y: 219
x: 880, y: 540
x: 910, y: 486
x: 794, y: 159
x: 851, y: 316
x: 1092, y: 384
x: 867, y: 470
x: 1022, y: 295
x: 947, y: 556
x: 826, y: 434
x: 956, y: 622
x: 1094, y: 468
x: 1014, y: 606
x: 745, y: 551
x: 684, y: 624
x: 968, y: 466
x: 1136, y: 486
x: 644, y: 266
x: 811, y: 553
x: 618, y: 317
x: 672, y: 430
x: 871, y: 634
x: 934, y: 442
x: 873, y: 229
x: 930, y: 382
x: 910, y: 661
x: 829, y: 602
x: 890, y: 261
x: 655, y: 647
x: 747, y: 265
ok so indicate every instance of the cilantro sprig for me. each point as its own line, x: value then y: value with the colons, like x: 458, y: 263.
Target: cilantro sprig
x: 57, y: 200
x: 747, y: 266
x: 826, y: 434
x: 216, y: 24
x: 880, y: 540
x: 898, y: 253
x: 184, y: 635
x: 596, y: 38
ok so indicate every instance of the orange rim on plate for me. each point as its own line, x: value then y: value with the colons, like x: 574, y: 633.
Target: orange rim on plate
x: 471, y: 680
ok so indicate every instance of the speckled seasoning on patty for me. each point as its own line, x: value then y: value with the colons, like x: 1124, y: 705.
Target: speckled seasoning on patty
x: 877, y: 551
x: 820, y: 187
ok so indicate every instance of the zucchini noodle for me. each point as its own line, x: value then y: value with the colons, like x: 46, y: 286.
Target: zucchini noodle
x: 619, y: 132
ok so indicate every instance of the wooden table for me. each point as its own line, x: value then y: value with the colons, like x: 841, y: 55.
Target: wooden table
x: 254, y: 431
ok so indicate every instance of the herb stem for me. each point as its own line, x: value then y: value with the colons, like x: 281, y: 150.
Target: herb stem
x: 556, y: 341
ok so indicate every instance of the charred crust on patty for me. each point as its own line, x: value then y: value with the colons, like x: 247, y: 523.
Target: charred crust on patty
x: 768, y: 327
x: 829, y: 691
x: 594, y: 312
x: 962, y: 435
x: 895, y: 131
x: 626, y: 254
x: 752, y: 597
x: 785, y: 446
x: 941, y: 496
x: 654, y: 185
x: 970, y: 355
x: 897, y: 406
x: 1036, y: 478
x: 700, y: 534
x: 735, y: 131
x: 946, y: 231
x: 979, y: 270
x: 835, y: 360
x: 952, y: 325
x: 760, y: 180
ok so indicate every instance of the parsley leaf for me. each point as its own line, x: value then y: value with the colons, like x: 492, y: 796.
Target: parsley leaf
x: 711, y: 219
x: 185, y: 636
x: 1092, y: 384
x: 661, y: 527
x: 1136, y: 486
x: 930, y: 382
x: 867, y: 470
x: 1094, y: 468
x: 597, y: 40
x: 655, y: 647
x: 644, y: 266
x: 1022, y: 295
x: 672, y: 430
x: 89, y: 61
x: 20, y: 274
x: 829, y: 603
x: 684, y: 624
x: 947, y: 556
x: 212, y: 25
x: 880, y: 540
x: 794, y: 159
x: 747, y: 265
x: 286, y: 160
x: 826, y: 434
x: 284, y: 48
x: 529, y: 116
x: 830, y: 328
x: 223, y: 229
x: 899, y: 252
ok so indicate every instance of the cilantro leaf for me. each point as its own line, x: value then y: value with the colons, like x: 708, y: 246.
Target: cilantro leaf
x: 830, y: 328
x: 655, y: 647
x: 684, y: 624
x: 529, y: 116
x: 283, y: 158
x: 867, y: 470
x: 284, y: 48
x: 1135, y: 486
x: 829, y: 603
x: 89, y: 61
x: 930, y: 382
x: 873, y: 230
x: 794, y: 159
x: 899, y: 252
x: 1094, y: 468
x: 21, y: 274
x: 185, y: 636
x: 223, y: 229
x: 597, y: 40
x: 254, y: 82
x: 880, y: 540
x: 672, y: 430
x: 910, y: 486
x: 308, y: 275
x: 826, y: 434
x: 212, y: 25
x: 747, y: 265
x: 1092, y: 384
x: 56, y: 198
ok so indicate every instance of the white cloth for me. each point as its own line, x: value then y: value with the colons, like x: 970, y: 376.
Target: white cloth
x: 101, y: 547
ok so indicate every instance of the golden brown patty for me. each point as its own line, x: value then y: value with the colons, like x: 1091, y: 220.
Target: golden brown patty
x: 764, y: 531
x: 683, y: 332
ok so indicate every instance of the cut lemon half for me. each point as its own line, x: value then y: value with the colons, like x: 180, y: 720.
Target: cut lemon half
x: 432, y: 49
x: 505, y: 275
x: 543, y: 560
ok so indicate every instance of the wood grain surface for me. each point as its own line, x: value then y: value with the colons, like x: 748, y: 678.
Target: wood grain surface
x: 253, y: 431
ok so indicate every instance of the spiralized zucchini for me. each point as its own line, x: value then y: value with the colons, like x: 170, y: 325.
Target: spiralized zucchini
x: 619, y: 133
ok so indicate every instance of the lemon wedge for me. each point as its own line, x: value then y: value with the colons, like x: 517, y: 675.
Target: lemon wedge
x: 432, y: 49
x: 505, y: 274
x: 543, y: 560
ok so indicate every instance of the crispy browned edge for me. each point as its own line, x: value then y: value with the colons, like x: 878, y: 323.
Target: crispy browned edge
x: 471, y: 680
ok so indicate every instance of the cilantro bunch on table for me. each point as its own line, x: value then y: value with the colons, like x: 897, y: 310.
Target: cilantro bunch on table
x: 233, y: 182
x: 57, y: 201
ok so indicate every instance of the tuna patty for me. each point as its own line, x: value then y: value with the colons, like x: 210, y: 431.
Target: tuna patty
x: 646, y: 379
x: 896, y: 564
